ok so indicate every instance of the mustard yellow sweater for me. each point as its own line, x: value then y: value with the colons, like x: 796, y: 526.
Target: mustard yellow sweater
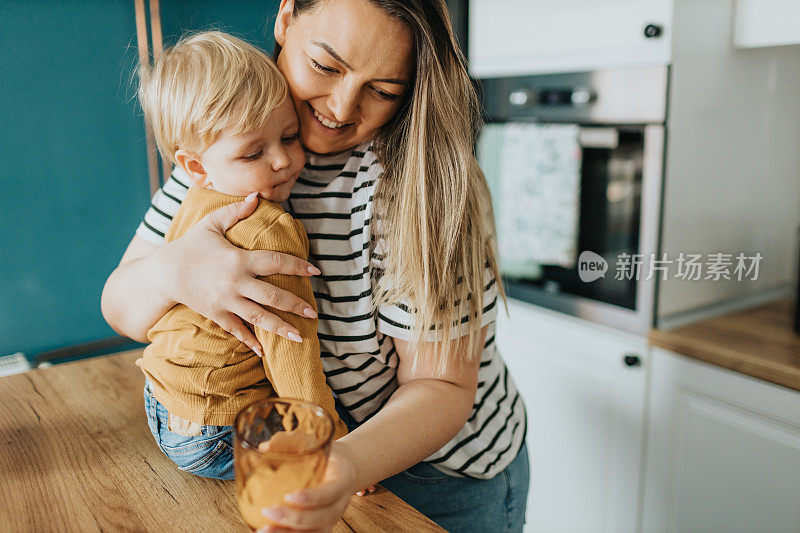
x: 202, y: 373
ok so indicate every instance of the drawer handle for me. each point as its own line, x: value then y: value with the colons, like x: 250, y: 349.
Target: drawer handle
x: 632, y: 360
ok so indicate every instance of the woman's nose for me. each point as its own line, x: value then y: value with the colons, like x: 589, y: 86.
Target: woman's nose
x: 343, y: 102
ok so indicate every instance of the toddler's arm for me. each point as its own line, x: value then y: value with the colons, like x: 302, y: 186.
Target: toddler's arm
x: 294, y: 369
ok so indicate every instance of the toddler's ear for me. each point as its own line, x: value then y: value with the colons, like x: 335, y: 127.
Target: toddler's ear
x: 190, y: 162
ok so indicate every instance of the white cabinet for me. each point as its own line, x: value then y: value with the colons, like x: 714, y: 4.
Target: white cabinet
x: 723, y: 452
x: 517, y: 37
x: 669, y: 445
x: 585, y: 417
x: 766, y: 23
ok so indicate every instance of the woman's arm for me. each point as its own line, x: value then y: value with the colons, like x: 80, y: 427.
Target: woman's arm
x: 127, y: 308
x: 422, y: 415
x: 203, y: 271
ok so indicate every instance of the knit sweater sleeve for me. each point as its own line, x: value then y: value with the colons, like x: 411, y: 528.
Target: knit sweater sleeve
x: 294, y: 369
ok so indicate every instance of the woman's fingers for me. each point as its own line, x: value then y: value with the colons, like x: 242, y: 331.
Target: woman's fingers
x: 364, y: 492
x: 265, y: 263
x: 234, y: 325
x: 305, y: 519
x: 259, y: 317
x: 321, y: 496
x: 279, y: 529
x: 223, y: 218
x: 265, y: 294
x: 318, y: 508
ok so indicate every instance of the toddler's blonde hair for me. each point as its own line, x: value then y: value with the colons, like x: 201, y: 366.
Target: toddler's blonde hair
x: 208, y: 82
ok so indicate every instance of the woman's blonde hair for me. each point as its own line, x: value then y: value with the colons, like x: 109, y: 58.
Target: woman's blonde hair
x: 434, y: 205
x: 208, y: 82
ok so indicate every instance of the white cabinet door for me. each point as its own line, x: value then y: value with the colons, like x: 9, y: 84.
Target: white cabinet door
x: 723, y: 452
x: 517, y: 37
x: 760, y: 23
x: 585, y: 418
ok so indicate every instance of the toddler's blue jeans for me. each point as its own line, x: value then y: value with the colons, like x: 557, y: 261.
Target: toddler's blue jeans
x: 209, y: 454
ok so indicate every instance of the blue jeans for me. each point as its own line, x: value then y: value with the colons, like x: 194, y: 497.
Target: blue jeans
x: 462, y: 504
x: 209, y: 454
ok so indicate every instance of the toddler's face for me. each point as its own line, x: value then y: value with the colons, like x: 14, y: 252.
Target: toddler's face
x: 267, y: 160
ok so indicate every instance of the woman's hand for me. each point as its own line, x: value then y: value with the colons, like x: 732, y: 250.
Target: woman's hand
x: 205, y: 272
x: 320, y: 508
x: 368, y: 490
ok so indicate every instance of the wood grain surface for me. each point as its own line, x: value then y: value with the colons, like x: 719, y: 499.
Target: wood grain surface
x: 759, y: 342
x: 76, y: 455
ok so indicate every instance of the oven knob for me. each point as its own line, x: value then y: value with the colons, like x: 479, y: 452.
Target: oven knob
x: 582, y: 96
x: 520, y: 97
x: 652, y: 31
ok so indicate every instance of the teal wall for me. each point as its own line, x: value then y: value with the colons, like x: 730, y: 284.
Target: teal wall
x: 251, y: 20
x: 72, y: 155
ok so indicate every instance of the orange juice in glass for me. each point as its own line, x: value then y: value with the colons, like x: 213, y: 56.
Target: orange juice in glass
x: 280, y: 446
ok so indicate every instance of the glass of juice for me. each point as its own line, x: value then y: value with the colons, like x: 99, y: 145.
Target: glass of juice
x: 280, y: 446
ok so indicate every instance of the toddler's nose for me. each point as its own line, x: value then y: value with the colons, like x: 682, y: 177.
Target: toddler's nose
x: 280, y: 160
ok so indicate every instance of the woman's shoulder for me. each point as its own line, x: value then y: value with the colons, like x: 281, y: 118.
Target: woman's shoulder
x: 163, y: 207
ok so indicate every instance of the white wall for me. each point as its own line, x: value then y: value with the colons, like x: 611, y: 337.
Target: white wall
x: 733, y: 156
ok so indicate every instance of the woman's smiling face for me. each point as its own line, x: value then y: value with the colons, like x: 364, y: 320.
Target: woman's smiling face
x: 348, y: 65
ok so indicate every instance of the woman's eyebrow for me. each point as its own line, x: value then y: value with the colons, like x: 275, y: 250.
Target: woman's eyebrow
x: 395, y: 81
x: 328, y: 48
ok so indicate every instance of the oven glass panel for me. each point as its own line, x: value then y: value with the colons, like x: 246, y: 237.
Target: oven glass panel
x: 609, y: 213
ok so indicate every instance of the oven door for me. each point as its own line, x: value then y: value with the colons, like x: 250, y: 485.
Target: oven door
x: 620, y: 187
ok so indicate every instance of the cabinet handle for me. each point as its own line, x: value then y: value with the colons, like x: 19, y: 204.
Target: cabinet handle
x: 651, y: 31
x: 632, y: 360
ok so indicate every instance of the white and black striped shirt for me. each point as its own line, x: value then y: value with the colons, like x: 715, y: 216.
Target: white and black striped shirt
x: 333, y: 198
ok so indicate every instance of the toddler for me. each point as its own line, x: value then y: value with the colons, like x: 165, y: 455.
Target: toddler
x: 220, y: 110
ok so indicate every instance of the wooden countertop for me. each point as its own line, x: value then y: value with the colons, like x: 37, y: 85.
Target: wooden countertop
x: 76, y: 454
x: 759, y: 342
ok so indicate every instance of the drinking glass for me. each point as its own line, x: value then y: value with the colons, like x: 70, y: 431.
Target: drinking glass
x: 280, y: 446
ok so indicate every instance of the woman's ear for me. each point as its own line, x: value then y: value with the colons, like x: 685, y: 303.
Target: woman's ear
x: 283, y: 20
x: 190, y: 162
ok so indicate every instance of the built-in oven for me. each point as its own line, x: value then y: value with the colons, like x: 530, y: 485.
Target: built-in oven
x: 616, y: 120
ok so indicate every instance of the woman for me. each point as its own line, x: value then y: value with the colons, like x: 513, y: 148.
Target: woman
x: 399, y: 223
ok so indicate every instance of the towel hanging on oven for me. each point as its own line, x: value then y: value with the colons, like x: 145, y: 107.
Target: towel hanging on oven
x: 538, y: 207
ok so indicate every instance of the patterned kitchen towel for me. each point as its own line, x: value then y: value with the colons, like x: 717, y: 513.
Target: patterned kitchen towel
x: 490, y: 146
x: 539, y: 195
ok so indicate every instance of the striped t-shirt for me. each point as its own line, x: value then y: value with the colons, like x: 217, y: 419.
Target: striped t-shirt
x: 333, y: 198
